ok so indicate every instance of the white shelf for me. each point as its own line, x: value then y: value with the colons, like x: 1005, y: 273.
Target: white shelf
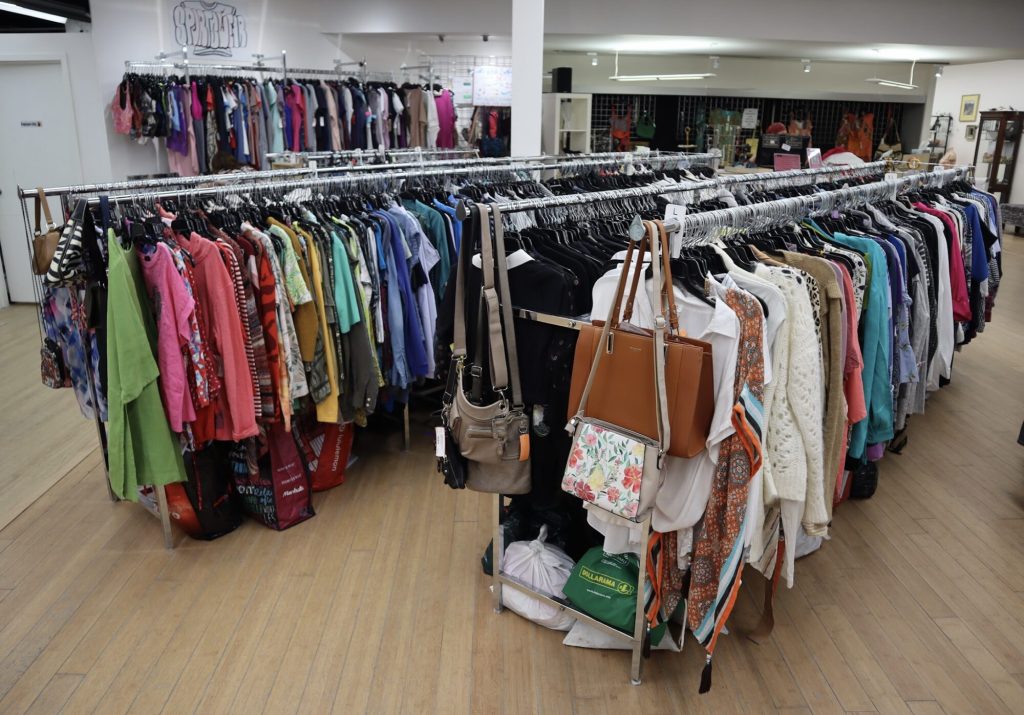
x: 565, y: 123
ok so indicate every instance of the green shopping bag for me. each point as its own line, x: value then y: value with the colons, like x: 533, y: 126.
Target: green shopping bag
x: 604, y: 586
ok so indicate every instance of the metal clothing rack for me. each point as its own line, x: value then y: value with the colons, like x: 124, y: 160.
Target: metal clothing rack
x: 64, y: 193
x: 260, y: 66
x: 781, y: 210
x: 360, y: 154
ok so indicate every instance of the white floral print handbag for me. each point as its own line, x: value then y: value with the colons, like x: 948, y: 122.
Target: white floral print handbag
x: 614, y: 468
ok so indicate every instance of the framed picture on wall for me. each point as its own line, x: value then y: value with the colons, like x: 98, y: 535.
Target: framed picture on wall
x: 970, y: 132
x: 969, y: 107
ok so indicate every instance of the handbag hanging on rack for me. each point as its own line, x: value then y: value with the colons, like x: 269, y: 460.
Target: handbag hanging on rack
x: 623, y: 392
x: 44, y: 242
x: 492, y: 437
x: 610, y: 466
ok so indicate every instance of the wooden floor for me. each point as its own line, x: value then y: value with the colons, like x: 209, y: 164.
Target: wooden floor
x: 378, y: 604
x: 42, y: 432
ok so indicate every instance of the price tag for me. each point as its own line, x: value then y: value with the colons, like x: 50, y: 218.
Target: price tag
x: 439, y: 441
x: 891, y: 176
x: 938, y: 167
x: 786, y: 147
x: 675, y: 239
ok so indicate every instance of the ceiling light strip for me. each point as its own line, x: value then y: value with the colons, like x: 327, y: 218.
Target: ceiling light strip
x: 19, y: 10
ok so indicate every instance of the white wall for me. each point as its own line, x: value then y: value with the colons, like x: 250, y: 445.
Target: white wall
x: 389, y: 52
x: 744, y: 77
x: 76, y: 51
x: 982, y: 23
x: 1000, y: 84
x: 139, y: 29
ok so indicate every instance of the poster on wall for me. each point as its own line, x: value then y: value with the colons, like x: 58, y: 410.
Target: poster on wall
x: 216, y: 29
x: 462, y: 89
x: 749, y: 120
x: 492, y: 86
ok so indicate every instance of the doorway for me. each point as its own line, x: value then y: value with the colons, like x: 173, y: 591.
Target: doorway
x: 39, y: 147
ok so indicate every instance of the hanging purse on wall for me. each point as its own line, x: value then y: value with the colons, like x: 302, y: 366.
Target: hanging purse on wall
x: 45, y: 238
x: 493, y: 437
x: 610, y: 466
x: 623, y: 392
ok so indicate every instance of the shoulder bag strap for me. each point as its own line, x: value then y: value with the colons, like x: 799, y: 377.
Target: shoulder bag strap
x: 668, y: 293
x: 638, y: 271
x: 42, y: 204
x: 506, y: 307
x: 660, y: 398
x: 492, y: 301
x: 465, y: 261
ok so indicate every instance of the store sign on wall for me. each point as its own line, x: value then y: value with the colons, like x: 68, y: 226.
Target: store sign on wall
x: 209, y: 28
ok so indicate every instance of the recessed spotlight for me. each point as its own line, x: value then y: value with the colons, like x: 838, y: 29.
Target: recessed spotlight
x: 938, y: 70
x: 807, y: 65
x: 714, y: 62
x: 593, y: 58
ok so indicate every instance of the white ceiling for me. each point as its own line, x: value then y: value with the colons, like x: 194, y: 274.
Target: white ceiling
x: 724, y: 46
x: 692, y: 45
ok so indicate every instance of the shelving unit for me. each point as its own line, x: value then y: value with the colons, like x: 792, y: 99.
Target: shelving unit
x: 565, y: 123
x: 995, y: 154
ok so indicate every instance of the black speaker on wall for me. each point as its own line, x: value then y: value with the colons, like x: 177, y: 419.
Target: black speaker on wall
x: 561, y: 79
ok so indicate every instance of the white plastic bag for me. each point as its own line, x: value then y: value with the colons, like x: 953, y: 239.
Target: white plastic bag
x: 544, y: 568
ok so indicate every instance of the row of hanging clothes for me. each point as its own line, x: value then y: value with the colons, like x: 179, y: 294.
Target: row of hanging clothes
x: 237, y: 319
x: 214, y: 123
x: 839, y: 325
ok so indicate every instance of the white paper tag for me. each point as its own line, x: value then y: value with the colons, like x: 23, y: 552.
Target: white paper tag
x: 891, y: 176
x: 677, y: 212
x: 322, y: 123
x: 538, y: 414
x: 439, y: 441
x: 938, y: 167
x: 786, y: 147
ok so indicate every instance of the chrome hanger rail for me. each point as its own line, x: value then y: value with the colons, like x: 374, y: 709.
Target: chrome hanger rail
x: 718, y: 181
x: 240, y: 177
x: 384, y: 180
x: 261, y: 66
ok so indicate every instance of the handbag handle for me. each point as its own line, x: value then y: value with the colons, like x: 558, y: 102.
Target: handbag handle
x: 627, y: 311
x: 661, y: 402
x: 666, y: 292
x: 41, y: 201
x: 668, y: 295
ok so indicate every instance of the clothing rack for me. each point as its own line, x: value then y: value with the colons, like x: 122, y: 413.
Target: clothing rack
x: 64, y: 192
x: 781, y: 210
x: 718, y: 181
x: 249, y: 176
x: 623, y: 155
x: 360, y: 154
x: 260, y: 66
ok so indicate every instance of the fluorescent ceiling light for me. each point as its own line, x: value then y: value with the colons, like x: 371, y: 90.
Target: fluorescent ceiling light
x: 19, y: 10
x: 891, y: 83
x: 661, y: 77
x: 894, y: 83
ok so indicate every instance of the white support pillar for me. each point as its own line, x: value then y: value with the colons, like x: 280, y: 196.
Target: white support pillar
x: 527, y: 75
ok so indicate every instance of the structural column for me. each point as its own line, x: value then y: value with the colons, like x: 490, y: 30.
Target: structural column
x: 527, y: 75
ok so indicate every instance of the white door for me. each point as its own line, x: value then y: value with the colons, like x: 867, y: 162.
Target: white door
x: 38, y: 147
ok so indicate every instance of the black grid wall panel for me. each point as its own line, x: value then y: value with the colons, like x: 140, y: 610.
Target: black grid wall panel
x: 601, y: 112
x: 826, y: 114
